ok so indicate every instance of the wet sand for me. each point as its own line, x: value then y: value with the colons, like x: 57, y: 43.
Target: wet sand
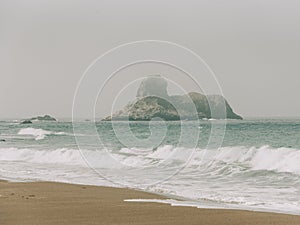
x: 48, y: 203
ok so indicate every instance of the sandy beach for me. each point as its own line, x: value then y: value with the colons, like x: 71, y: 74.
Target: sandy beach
x: 51, y: 203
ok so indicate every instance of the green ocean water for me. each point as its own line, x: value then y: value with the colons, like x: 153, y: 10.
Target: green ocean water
x: 252, y: 163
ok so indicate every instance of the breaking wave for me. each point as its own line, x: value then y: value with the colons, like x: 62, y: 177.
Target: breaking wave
x: 39, y: 134
x: 263, y: 158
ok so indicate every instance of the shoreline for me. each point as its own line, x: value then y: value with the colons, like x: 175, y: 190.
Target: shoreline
x: 43, y: 203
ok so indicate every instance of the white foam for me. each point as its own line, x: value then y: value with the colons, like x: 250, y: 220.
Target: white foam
x: 209, y: 176
x: 210, y: 205
x: 62, y: 156
x: 263, y: 158
x: 174, y: 202
x: 162, y: 152
x: 39, y: 134
x: 280, y: 160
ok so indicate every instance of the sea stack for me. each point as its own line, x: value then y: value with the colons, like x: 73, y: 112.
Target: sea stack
x: 152, y: 101
x: 154, y: 85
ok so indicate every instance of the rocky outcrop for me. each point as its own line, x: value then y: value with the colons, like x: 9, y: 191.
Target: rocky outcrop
x: 153, y: 102
x: 217, y: 103
x: 147, y: 108
x: 44, y: 118
x: 26, y: 122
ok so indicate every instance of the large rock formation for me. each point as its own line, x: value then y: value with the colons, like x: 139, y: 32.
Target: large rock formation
x: 153, y: 101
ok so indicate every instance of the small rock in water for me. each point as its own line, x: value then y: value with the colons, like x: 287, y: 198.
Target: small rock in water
x: 26, y: 122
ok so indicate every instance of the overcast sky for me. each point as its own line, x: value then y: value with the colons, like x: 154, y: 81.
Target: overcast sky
x: 253, y: 46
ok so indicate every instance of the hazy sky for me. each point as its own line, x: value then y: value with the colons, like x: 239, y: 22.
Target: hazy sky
x: 253, y: 46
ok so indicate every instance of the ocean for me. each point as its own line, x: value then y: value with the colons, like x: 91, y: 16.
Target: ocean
x: 251, y: 164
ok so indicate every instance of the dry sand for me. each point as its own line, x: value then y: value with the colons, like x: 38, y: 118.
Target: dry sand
x: 46, y: 203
